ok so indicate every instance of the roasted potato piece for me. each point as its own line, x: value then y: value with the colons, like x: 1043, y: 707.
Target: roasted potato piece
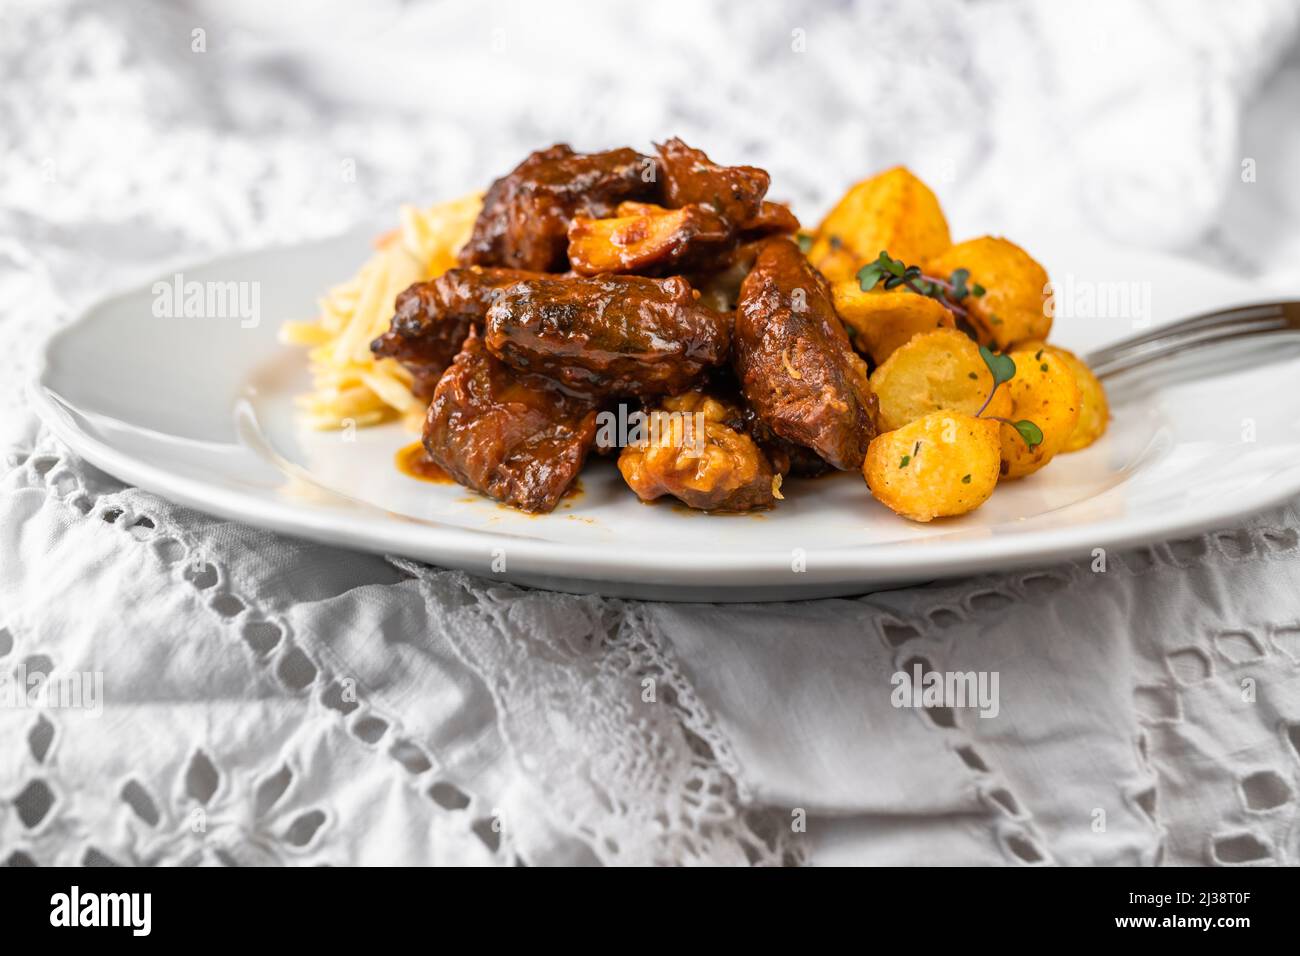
x: 882, y: 321
x: 1013, y: 308
x: 941, y: 465
x: 647, y: 239
x: 633, y: 208
x: 938, y: 370
x: 1044, y: 392
x: 1094, y: 410
x: 893, y: 211
x: 836, y: 261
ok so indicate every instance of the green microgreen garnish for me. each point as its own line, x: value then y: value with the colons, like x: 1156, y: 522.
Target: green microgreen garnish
x: 895, y: 273
x: 805, y: 242
x: 1003, y: 369
x: 958, y: 280
x: 868, y: 276
x: 1031, y: 433
x: 950, y: 293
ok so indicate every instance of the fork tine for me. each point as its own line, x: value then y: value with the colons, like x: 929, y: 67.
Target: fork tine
x: 1226, y: 318
x: 1153, y: 351
x: 1188, y: 338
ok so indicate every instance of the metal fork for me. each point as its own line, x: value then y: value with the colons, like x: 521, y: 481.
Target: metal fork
x: 1224, y: 325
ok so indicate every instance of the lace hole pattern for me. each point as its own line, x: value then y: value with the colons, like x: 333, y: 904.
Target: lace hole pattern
x: 37, y: 804
x: 1266, y: 793
x: 1220, y: 659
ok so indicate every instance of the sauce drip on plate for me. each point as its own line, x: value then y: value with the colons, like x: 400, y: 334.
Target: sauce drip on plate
x: 413, y: 461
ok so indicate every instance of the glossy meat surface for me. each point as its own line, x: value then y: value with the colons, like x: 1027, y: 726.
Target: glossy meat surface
x: 773, y: 219
x: 608, y: 335
x: 787, y: 457
x: 516, y: 438
x: 432, y: 319
x: 526, y: 214
x: 698, y: 452
x: 794, y: 361
x: 689, y: 176
x: 613, y: 277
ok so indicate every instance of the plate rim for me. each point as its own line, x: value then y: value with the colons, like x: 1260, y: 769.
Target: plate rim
x: 464, y: 547
x: 862, y: 567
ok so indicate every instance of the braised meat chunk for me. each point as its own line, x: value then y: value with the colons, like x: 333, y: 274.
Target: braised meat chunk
x: 517, y: 438
x: 668, y: 282
x: 733, y: 192
x: 719, y: 283
x: 772, y: 219
x: 609, y: 335
x: 648, y: 239
x: 526, y: 214
x: 713, y: 208
x: 787, y: 458
x: 794, y: 360
x: 698, y: 452
x: 433, y: 319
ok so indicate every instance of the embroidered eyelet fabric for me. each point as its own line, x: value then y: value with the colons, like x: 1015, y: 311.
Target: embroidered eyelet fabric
x: 262, y: 700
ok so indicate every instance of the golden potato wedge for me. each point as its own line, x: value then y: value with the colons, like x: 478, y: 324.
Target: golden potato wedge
x: 941, y: 465
x: 836, y: 261
x: 893, y: 211
x: 1013, y: 308
x: 881, y: 321
x: 644, y: 237
x: 1044, y: 392
x: 628, y: 208
x: 1094, y: 410
x: 934, y: 371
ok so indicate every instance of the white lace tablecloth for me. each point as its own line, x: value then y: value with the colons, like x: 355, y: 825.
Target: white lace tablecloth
x: 269, y: 700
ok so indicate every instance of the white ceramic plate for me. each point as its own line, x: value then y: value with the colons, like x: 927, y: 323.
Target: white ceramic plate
x: 199, y: 411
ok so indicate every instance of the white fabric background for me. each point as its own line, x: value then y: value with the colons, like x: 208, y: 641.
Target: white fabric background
x: 269, y: 700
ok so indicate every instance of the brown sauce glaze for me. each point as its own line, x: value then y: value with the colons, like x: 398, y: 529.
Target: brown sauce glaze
x: 413, y: 461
